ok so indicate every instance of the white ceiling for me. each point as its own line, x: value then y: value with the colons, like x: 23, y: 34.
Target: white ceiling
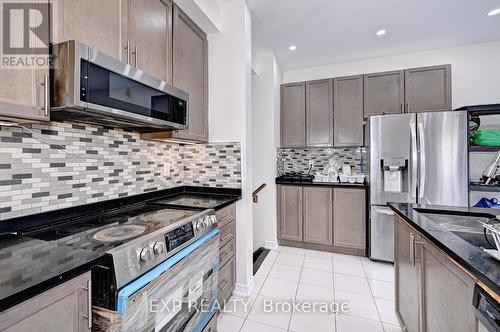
x: 330, y: 31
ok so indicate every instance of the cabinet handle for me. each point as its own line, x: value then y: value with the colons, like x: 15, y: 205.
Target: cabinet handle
x: 402, y: 107
x: 225, y: 255
x: 46, y: 96
x: 412, y: 249
x: 136, y: 56
x: 89, y: 304
x: 407, y: 107
x: 127, y: 47
x: 225, y: 285
x: 225, y: 237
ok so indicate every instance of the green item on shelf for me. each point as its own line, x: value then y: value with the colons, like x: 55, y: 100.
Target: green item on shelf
x: 485, y: 137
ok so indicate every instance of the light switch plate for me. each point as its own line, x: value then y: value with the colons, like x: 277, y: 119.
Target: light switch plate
x: 166, y: 169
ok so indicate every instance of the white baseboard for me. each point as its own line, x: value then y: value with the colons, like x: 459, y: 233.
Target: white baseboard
x: 244, y: 290
x: 271, y: 245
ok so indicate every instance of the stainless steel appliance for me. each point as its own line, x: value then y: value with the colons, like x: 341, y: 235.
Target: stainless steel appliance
x: 491, y: 172
x: 154, y: 257
x: 414, y: 158
x: 486, y: 310
x: 92, y: 87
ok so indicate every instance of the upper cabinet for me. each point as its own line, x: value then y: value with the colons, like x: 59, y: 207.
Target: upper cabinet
x: 319, y: 113
x: 190, y: 73
x: 293, y: 115
x: 348, y: 110
x: 149, y: 35
x: 384, y: 93
x: 136, y: 32
x: 98, y: 23
x: 24, y: 94
x: 428, y: 89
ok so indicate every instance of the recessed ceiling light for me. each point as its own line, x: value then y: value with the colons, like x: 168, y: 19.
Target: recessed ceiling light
x: 292, y: 47
x: 494, y: 12
x: 380, y: 32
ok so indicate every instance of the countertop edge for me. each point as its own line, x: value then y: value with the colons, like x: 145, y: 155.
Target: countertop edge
x: 322, y: 184
x: 47, y: 284
x: 450, y: 252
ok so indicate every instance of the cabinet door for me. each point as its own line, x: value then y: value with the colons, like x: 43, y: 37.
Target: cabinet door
x: 290, y: 213
x: 348, y: 111
x: 61, y: 309
x: 319, y: 113
x: 384, y: 93
x: 97, y: 23
x: 428, y: 89
x: 407, y: 282
x: 293, y: 115
x: 150, y: 35
x: 190, y: 73
x: 318, y: 215
x: 442, y: 280
x: 349, y: 219
x: 23, y: 95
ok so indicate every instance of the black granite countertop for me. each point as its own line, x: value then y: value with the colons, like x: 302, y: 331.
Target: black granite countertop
x: 280, y: 180
x: 29, y: 267
x: 472, y: 258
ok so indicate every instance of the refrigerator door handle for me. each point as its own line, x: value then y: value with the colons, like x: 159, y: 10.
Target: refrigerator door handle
x: 421, y: 187
x: 384, y: 211
x: 414, y: 156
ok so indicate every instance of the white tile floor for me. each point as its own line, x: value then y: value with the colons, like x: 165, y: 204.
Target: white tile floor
x: 314, y: 276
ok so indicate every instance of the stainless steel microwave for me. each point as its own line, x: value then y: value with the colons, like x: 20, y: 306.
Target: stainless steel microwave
x: 92, y: 87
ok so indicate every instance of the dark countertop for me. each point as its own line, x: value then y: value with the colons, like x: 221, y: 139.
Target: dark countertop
x: 280, y: 180
x: 29, y: 266
x: 472, y: 258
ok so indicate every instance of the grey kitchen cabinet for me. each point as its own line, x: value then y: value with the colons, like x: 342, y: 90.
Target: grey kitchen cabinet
x: 319, y: 113
x: 64, y: 308
x: 384, y: 93
x: 426, y: 280
x: 97, y: 23
x: 290, y: 218
x: 318, y: 214
x: 428, y: 89
x: 24, y: 95
x: 349, y: 218
x: 150, y: 35
x: 226, y: 220
x: 348, y: 110
x: 406, y: 278
x: 442, y: 280
x: 293, y: 115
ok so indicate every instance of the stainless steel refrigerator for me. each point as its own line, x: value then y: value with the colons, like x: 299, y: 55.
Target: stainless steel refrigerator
x: 415, y: 158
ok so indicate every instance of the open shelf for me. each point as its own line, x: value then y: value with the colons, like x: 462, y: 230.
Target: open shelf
x: 477, y: 148
x: 474, y: 186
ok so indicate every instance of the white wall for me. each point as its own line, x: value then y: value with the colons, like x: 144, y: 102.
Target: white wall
x: 230, y: 87
x: 265, y: 123
x: 205, y: 13
x: 475, y: 70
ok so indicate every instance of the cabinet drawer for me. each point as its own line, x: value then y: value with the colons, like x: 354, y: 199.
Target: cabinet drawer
x: 227, y: 252
x: 211, y: 325
x: 227, y: 280
x: 226, y: 215
x: 227, y: 233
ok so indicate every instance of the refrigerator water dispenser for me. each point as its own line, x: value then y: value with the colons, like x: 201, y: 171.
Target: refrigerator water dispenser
x: 393, y: 174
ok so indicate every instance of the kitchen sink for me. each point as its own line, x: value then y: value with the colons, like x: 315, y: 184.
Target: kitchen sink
x: 467, y: 227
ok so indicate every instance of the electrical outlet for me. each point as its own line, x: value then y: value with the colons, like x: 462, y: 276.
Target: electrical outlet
x: 166, y: 169
x: 311, y: 163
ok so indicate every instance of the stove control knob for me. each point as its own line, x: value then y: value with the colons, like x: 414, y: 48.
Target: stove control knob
x: 200, y: 225
x: 213, y: 218
x: 207, y: 221
x: 145, y: 254
x: 158, y: 248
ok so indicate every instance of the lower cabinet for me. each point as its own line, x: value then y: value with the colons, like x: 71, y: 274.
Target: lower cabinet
x: 433, y: 293
x: 61, y: 309
x: 323, y: 218
x: 226, y: 220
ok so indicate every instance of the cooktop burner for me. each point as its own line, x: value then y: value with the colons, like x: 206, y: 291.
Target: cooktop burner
x: 119, y: 233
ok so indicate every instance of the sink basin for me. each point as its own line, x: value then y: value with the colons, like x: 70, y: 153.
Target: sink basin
x: 466, y: 227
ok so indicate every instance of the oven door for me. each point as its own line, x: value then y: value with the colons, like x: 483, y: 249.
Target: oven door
x: 177, y: 295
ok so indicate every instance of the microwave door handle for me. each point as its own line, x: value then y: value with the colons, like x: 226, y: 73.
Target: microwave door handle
x: 421, y: 187
x: 414, y: 157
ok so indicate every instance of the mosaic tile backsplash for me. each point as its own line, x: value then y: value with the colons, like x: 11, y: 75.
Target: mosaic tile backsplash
x: 297, y: 160
x: 60, y: 164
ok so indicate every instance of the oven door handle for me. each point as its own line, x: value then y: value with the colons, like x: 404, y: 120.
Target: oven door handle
x: 146, y: 278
